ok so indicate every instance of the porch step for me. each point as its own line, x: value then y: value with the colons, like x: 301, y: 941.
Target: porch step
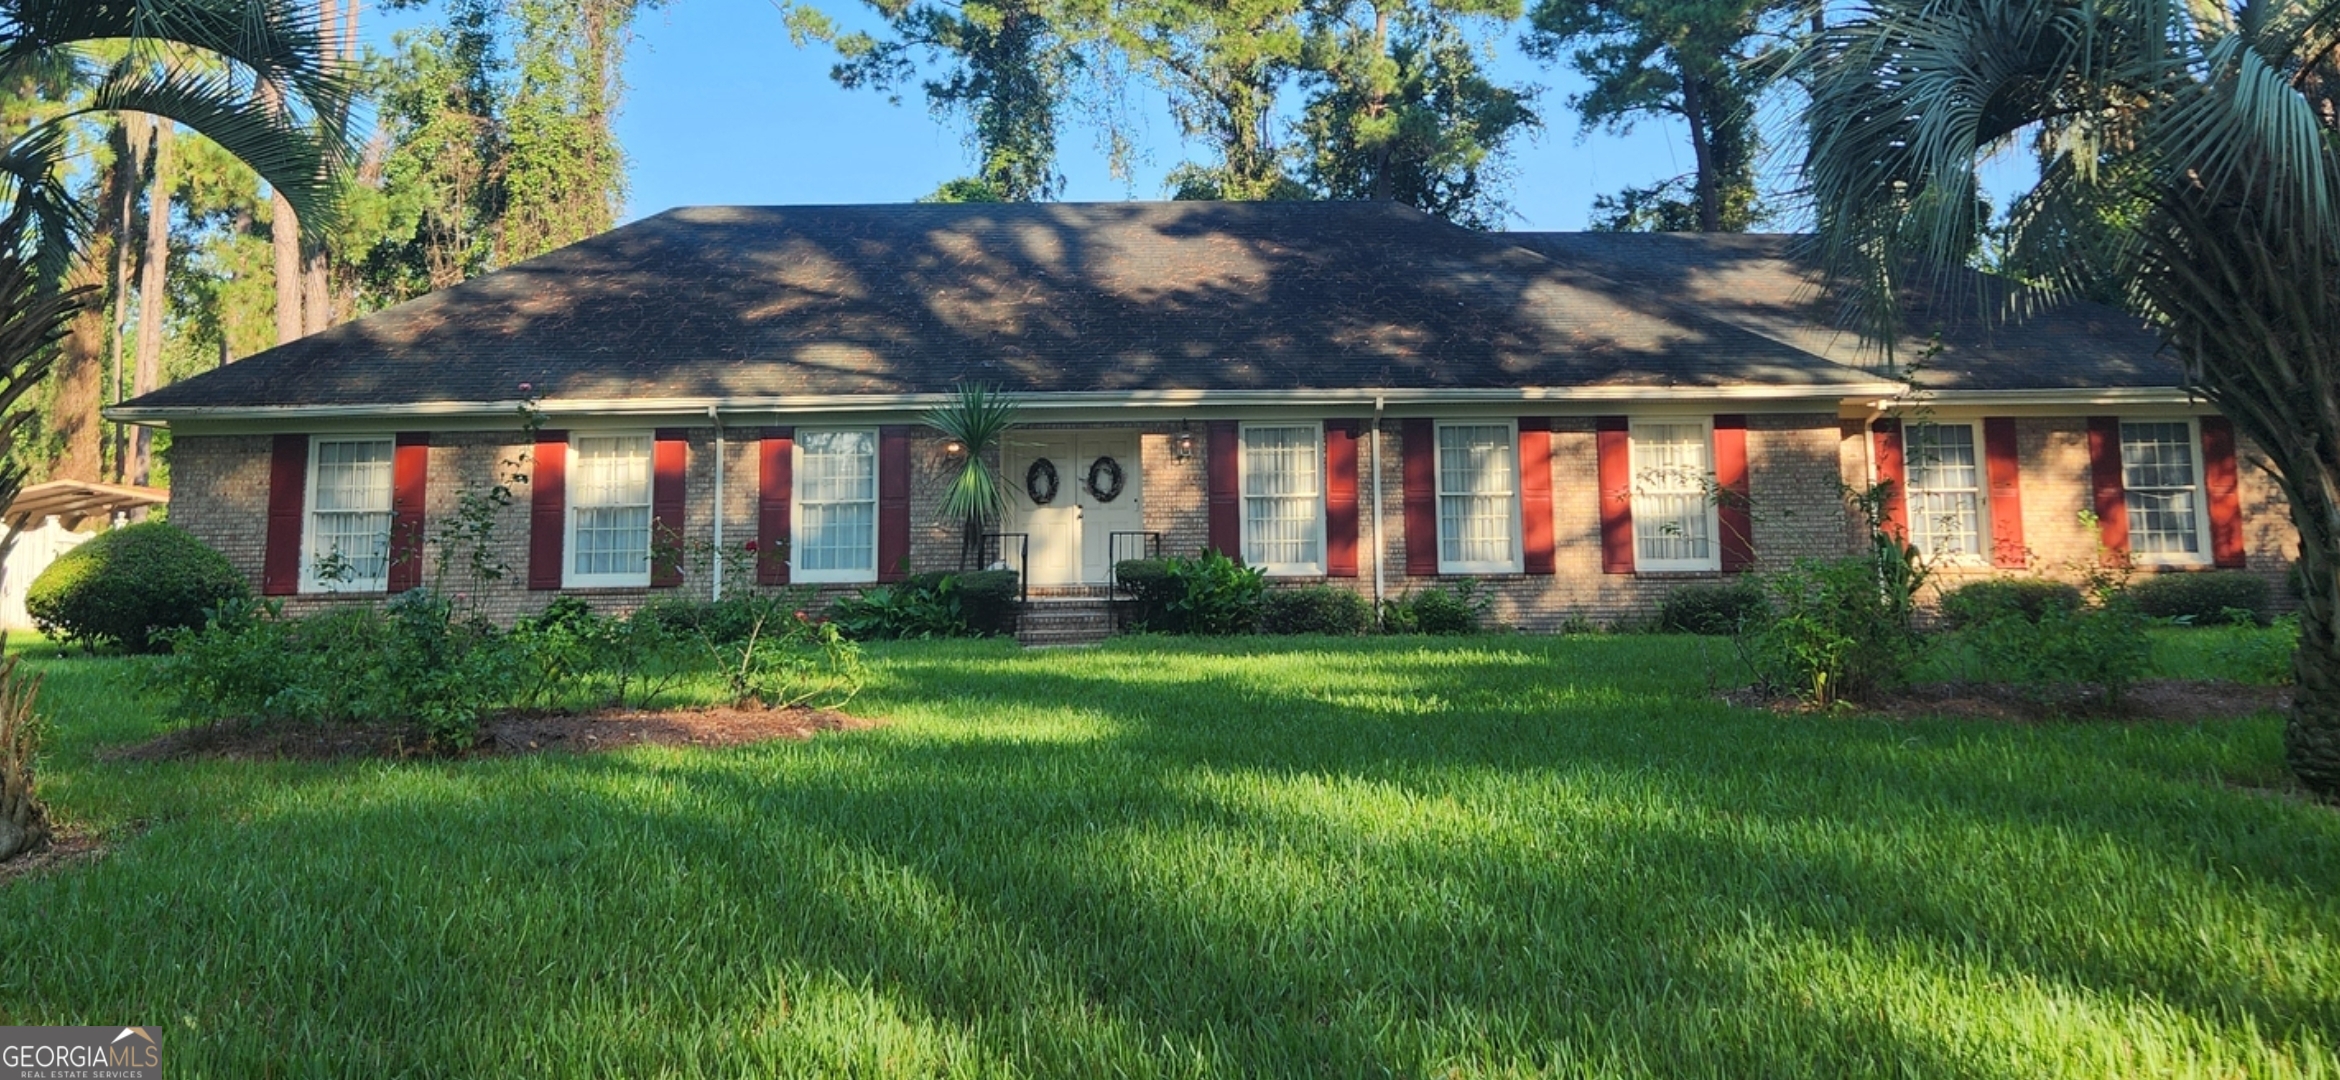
x: 1049, y: 621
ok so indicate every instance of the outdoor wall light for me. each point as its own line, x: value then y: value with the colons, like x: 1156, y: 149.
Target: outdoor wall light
x: 954, y: 449
x: 1182, y: 444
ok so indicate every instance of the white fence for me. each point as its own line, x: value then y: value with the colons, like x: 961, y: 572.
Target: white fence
x: 35, y: 549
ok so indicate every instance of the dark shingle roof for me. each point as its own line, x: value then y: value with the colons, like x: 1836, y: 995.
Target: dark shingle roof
x: 1757, y: 281
x: 746, y: 302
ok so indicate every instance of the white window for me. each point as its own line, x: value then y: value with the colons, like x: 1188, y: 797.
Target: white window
x: 834, y: 537
x: 1478, y: 499
x: 1674, y: 518
x: 2158, y: 467
x: 1283, y: 498
x: 1944, y: 478
x: 609, y: 511
x: 348, y: 546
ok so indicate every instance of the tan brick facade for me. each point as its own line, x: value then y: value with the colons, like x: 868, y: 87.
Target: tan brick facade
x: 1799, y: 466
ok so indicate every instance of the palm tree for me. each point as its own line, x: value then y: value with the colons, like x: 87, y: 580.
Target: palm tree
x: 2188, y: 167
x: 972, y: 424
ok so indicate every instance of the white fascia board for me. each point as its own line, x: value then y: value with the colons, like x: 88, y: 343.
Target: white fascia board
x: 744, y: 409
x: 2042, y: 401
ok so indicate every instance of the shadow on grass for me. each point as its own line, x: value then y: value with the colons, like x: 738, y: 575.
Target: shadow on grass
x: 1505, y: 854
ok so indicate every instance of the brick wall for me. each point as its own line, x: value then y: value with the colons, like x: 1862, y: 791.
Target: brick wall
x: 1797, y: 463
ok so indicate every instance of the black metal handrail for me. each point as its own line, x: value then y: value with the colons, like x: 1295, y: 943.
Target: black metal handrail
x: 993, y: 549
x: 1148, y: 546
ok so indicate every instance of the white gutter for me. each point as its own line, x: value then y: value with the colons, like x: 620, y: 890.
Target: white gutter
x: 1380, y: 553
x: 2103, y: 395
x: 1040, y: 402
x: 717, y: 419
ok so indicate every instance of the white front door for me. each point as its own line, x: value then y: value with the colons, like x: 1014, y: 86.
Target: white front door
x: 1071, y: 526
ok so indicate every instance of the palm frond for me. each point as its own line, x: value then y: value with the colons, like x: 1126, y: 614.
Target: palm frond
x: 977, y: 419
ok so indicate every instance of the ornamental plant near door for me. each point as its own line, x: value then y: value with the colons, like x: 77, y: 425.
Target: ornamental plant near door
x: 976, y: 496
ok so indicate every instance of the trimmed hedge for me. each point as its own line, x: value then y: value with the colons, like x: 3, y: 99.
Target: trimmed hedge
x: 988, y: 599
x: 127, y: 587
x: 1717, y: 610
x: 2203, y: 598
x: 1315, y: 609
x: 1983, y: 601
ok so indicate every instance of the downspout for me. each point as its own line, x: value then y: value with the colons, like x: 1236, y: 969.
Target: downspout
x: 1380, y: 552
x: 720, y: 553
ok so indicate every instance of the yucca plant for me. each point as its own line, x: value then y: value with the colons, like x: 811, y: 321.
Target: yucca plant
x: 2189, y: 165
x: 23, y: 824
x: 977, y: 420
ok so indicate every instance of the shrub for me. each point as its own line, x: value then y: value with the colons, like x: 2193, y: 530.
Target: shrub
x: 2260, y: 656
x: 1315, y: 609
x: 932, y: 606
x: 1983, y: 601
x: 730, y: 619
x: 1838, y: 630
x: 1456, y: 608
x: 2065, y: 647
x: 1718, y: 609
x: 2203, y: 598
x: 129, y: 587
x: 1204, y: 594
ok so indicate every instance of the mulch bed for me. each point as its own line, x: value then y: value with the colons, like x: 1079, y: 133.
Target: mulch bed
x: 65, y: 847
x: 2149, y: 700
x: 537, y: 733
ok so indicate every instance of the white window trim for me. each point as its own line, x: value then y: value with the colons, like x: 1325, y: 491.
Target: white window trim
x: 570, y: 578
x: 2202, y: 555
x: 798, y: 573
x: 310, y: 582
x: 1982, y: 492
x: 1712, y: 563
x: 1438, y: 492
x: 1243, y: 515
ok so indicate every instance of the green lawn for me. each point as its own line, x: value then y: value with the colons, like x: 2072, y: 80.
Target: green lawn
x: 1497, y: 856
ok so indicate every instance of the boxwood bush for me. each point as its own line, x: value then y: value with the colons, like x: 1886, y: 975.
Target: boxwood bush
x: 2202, y: 598
x: 127, y: 587
x: 1983, y: 601
x: 1315, y: 609
x: 1718, y: 609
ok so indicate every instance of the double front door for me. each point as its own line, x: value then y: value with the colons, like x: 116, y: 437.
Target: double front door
x: 1073, y: 490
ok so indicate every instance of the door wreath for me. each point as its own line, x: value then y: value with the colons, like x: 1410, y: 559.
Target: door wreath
x: 1105, y: 479
x: 1040, y: 481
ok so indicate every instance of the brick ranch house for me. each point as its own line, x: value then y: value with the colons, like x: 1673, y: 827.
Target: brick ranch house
x: 1346, y: 392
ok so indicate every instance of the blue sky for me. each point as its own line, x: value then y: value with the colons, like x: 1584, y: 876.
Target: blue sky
x: 722, y: 108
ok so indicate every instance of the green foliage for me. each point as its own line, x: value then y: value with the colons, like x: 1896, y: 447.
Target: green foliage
x: 2064, y: 647
x: 1721, y: 609
x: 975, y: 496
x: 128, y: 587
x: 2203, y: 597
x: 1315, y: 609
x: 1838, y: 630
x: 1701, y: 63
x: 932, y: 605
x: 1413, y: 118
x: 1982, y: 601
x: 728, y: 620
x: 1208, y: 593
x: 797, y: 660
x: 2248, y: 654
x: 1458, y: 607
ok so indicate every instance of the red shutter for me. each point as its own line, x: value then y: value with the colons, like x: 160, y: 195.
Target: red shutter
x: 2001, y: 469
x: 1418, y: 445
x: 893, y: 552
x: 288, y: 494
x: 548, y: 496
x: 2112, y: 494
x: 670, y: 461
x: 2223, y: 480
x: 410, y: 484
x: 1734, y: 508
x: 1893, y: 470
x: 1226, y: 500
x: 1340, y: 498
x: 776, y: 482
x: 1614, y: 450
x: 1535, y: 495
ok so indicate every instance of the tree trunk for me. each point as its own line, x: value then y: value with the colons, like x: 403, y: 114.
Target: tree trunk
x: 129, y: 169
x: 316, y: 289
x: 2311, y: 740
x: 153, y: 294
x: 1701, y: 150
x: 284, y: 234
x: 81, y: 369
